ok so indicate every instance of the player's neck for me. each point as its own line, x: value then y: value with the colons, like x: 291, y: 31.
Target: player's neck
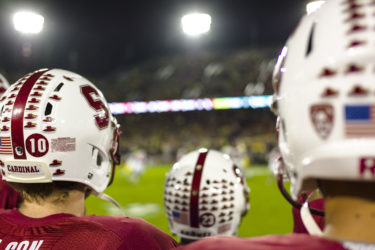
x: 73, y: 204
x: 350, y: 218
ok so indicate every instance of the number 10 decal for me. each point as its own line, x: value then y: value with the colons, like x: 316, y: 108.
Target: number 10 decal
x: 89, y: 93
x: 37, y: 145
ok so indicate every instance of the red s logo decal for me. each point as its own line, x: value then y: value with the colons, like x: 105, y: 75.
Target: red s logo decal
x: 89, y: 93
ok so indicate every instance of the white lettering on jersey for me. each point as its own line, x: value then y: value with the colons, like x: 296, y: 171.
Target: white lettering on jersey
x: 11, y: 246
x: 24, y: 245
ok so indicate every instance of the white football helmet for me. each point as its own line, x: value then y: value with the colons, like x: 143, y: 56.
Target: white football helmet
x: 55, y: 125
x: 324, y: 96
x: 205, y: 194
x: 4, y: 85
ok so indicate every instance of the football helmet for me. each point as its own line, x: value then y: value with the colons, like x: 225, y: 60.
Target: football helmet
x: 324, y: 96
x: 205, y: 194
x: 55, y: 125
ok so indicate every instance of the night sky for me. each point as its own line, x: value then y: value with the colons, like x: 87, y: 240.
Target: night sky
x: 98, y: 37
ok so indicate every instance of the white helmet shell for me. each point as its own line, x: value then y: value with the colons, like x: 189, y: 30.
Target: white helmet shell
x: 55, y: 125
x: 205, y: 194
x: 324, y: 96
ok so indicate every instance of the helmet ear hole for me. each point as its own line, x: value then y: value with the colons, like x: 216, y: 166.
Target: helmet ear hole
x: 283, y: 128
x: 310, y: 42
x: 48, y: 110
x: 98, y: 160
x: 97, y: 157
x: 57, y: 89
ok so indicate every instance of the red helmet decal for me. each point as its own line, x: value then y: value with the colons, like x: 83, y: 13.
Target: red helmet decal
x: 18, y: 115
x: 88, y: 92
x: 37, y: 145
x: 194, y: 196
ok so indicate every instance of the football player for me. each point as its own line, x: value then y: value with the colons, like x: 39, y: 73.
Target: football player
x: 325, y: 97
x: 63, y: 147
x: 9, y: 198
x: 205, y: 194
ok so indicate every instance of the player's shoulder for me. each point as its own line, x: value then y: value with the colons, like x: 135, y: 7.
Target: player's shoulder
x: 4, y: 211
x: 278, y: 242
x: 136, y: 231
x: 117, y: 223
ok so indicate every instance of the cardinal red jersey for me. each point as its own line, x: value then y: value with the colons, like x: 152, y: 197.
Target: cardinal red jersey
x: 274, y: 242
x: 66, y: 231
x: 298, y: 226
x: 9, y: 198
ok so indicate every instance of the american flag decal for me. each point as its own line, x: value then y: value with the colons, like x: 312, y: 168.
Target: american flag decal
x: 5, y: 146
x: 224, y: 228
x: 360, y: 120
x: 181, y: 218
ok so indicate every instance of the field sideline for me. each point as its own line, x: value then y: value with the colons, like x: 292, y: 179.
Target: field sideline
x: 269, y: 212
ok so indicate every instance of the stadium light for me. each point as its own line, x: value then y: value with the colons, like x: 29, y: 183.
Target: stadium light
x: 313, y: 6
x: 195, y: 24
x: 28, y: 22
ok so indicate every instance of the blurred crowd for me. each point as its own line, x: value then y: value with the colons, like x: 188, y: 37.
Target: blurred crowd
x: 164, y: 135
x: 194, y: 75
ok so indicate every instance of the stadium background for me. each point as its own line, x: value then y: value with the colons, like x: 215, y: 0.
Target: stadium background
x: 147, y: 59
x: 163, y: 137
x: 246, y: 134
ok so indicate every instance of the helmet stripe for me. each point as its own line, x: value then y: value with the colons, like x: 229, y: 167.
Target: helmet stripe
x: 18, y: 113
x: 194, y: 195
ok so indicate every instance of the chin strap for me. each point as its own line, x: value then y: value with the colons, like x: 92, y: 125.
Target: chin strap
x: 108, y: 198
x: 308, y: 220
x: 115, y: 150
x: 280, y: 184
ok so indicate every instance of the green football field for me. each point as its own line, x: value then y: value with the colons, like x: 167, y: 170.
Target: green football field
x: 269, y: 212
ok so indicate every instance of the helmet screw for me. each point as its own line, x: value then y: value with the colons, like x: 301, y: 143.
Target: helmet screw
x: 19, y: 150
